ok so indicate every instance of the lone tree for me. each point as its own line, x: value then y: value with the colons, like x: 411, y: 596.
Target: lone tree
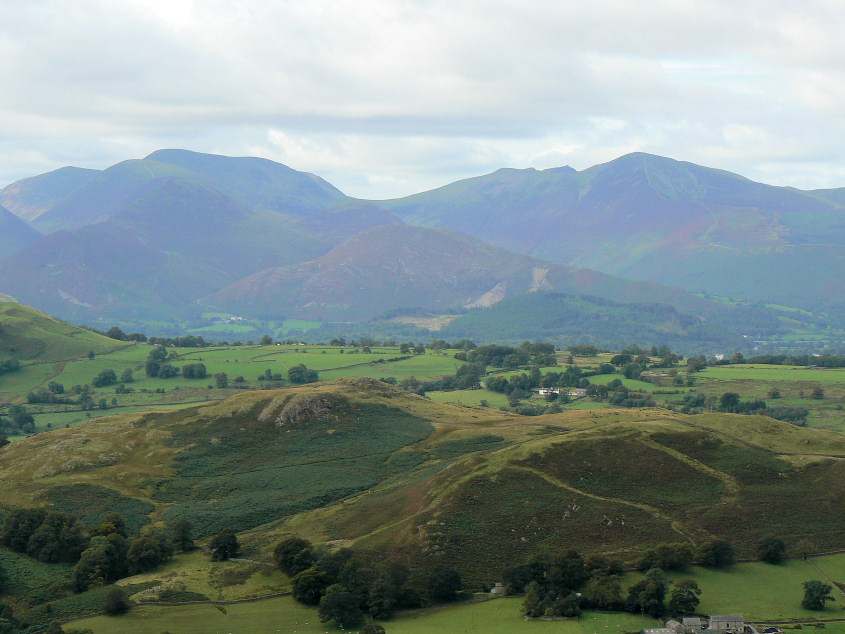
x: 771, y: 550
x: 116, y: 602
x: 816, y: 593
x: 183, y: 538
x: 224, y: 545
x: 444, y: 583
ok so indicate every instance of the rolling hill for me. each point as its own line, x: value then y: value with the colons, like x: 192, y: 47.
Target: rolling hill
x: 651, y: 218
x: 359, y: 463
x: 400, y: 266
x: 28, y: 334
x: 566, y: 319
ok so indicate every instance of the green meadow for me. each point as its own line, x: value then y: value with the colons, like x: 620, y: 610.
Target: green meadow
x: 760, y: 592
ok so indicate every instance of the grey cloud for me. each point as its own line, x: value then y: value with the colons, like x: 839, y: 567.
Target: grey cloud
x: 386, y: 97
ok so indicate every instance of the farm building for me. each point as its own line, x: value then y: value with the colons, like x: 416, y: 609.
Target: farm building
x: 727, y: 623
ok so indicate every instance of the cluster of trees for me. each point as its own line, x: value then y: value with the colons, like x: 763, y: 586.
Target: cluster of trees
x: 9, y: 365
x: 46, y: 536
x: 156, y: 366
x: 19, y: 419
x: 731, y: 402
x: 565, y: 584
x: 821, y: 361
x: 467, y: 377
x: 346, y: 589
x: 496, y: 356
x: 116, y: 333
x: 194, y: 371
x: 409, y: 347
x: 299, y: 374
x: 619, y: 395
x: 101, y: 556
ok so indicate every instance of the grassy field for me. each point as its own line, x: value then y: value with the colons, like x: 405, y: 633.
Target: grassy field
x: 248, y: 362
x: 499, y: 616
x: 217, y: 581
x: 758, y: 591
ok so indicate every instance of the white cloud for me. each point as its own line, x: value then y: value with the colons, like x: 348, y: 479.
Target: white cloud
x: 387, y: 97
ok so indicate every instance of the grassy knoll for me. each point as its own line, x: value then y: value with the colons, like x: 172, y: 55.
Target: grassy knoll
x: 216, y: 581
x: 26, y: 333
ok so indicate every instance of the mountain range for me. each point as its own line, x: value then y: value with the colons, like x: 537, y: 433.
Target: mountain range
x: 178, y: 233
x: 651, y: 218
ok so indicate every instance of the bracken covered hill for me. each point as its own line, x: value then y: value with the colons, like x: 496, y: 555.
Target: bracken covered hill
x: 360, y: 463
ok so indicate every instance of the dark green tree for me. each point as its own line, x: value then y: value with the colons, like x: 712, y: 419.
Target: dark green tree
x: 152, y: 367
x: 143, y: 554
x: 116, y: 602
x: 816, y: 594
x: 183, y: 538
x: 771, y: 550
x: 340, y: 605
x: 715, y: 554
x: 300, y: 374
x: 104, y: 378
x: 293, y: 555
x: 221, y: 379
x: 224, y: 545
x: 647, y: 595
x: 111, y: 523
x: 729, y: 402
x: 309, y: 585
x: 684, y: 598
x: 126, y: 376
x: 444, y: 584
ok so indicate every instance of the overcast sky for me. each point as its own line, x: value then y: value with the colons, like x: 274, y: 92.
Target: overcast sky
x: 387, y: 98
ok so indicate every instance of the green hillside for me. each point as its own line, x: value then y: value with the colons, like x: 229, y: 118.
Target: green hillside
x: 568, y: 319
x: 28, y: 334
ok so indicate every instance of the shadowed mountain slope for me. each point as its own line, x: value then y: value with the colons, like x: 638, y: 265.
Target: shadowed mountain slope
x: 400, y: 266
x: 15, y: 234
x: 176, y: 242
